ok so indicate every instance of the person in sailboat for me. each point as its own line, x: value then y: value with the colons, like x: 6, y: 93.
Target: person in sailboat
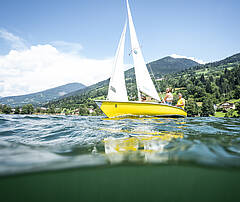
x: 144, y: 99
x: 169, y: 96
x: 181, y: 101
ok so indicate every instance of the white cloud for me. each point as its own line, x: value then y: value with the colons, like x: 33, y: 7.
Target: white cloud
x: 191, y: 58
x: 67, y: 46
x: 16, y: 42
x: 43, y: 66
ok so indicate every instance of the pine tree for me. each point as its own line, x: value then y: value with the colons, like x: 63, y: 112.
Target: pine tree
x: 192, y: 108
x: 202, y: 79
x: 207, y: 107
x: 208, y: 87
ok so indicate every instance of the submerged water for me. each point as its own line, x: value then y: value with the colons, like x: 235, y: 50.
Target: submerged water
x: 38, y: 143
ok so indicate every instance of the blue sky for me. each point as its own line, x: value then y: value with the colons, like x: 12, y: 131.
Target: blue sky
x: 207, y: 30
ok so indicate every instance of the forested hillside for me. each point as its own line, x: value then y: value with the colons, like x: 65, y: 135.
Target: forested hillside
x: 41, y: 97
x: 170, y: 65
x: 166, y: 65
x: 212, y: 83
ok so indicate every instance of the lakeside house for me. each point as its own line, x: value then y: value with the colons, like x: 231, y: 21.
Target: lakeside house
x: 227, y: 106
x: 76, y: 112
x: 43, y: 109
x: 160, y: 79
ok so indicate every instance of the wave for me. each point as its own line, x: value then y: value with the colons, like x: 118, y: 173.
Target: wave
x: 59, y: 141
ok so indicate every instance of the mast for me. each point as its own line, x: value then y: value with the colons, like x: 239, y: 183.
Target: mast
x: 143, y: 79
x: 117, y: 87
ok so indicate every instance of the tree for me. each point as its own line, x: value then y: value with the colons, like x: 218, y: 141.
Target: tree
x: 17, y: 110
x: 38, y: 110
x: 6, y: 109
x: 27, y: 109
x: 202, y: 79
x: 192, y: 108
x: 237, y: 92
x: 51, y: 110
x: 211, y: 79
x: 209, y: 87
x: 238, y: 108
x: 191, y: 89
x: 83, y: 110
x: 230, y: 113
x: 199, y: 92
x: 207, y: 107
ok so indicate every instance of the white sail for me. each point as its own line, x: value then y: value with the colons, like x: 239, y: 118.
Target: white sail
x: 117, y: 88
x: 144, y: 81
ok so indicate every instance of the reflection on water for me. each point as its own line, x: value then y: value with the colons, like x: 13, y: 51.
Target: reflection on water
x: 199, y: 141
x: 138, y: 147
x: 145, y: 142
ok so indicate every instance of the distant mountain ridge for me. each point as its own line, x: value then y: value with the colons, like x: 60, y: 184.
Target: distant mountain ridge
x: 41, y: 97
x: 169, y: 64
x: 166, y: 65
x: 230, y: 59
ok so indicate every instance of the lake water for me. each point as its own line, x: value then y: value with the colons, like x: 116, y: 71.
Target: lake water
x: 35, y: 145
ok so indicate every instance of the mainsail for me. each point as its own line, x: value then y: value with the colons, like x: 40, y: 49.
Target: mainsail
x: 117, y: 88
x: 144, y: 81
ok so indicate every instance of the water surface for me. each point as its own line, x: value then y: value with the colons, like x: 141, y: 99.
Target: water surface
x: 30, y: 143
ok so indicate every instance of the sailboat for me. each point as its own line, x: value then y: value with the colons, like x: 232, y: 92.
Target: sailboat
x: 117, y: 103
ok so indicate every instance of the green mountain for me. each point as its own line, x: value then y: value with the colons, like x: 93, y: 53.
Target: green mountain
x: 41, y: 97
x: 166, y: 65
x: 169, y: 65
x: 232, y: 59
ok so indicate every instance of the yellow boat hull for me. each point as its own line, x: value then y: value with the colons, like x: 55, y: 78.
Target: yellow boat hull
x: 134, y: 108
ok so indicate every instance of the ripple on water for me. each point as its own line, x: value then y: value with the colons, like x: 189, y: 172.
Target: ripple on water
x: 35, y: 142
